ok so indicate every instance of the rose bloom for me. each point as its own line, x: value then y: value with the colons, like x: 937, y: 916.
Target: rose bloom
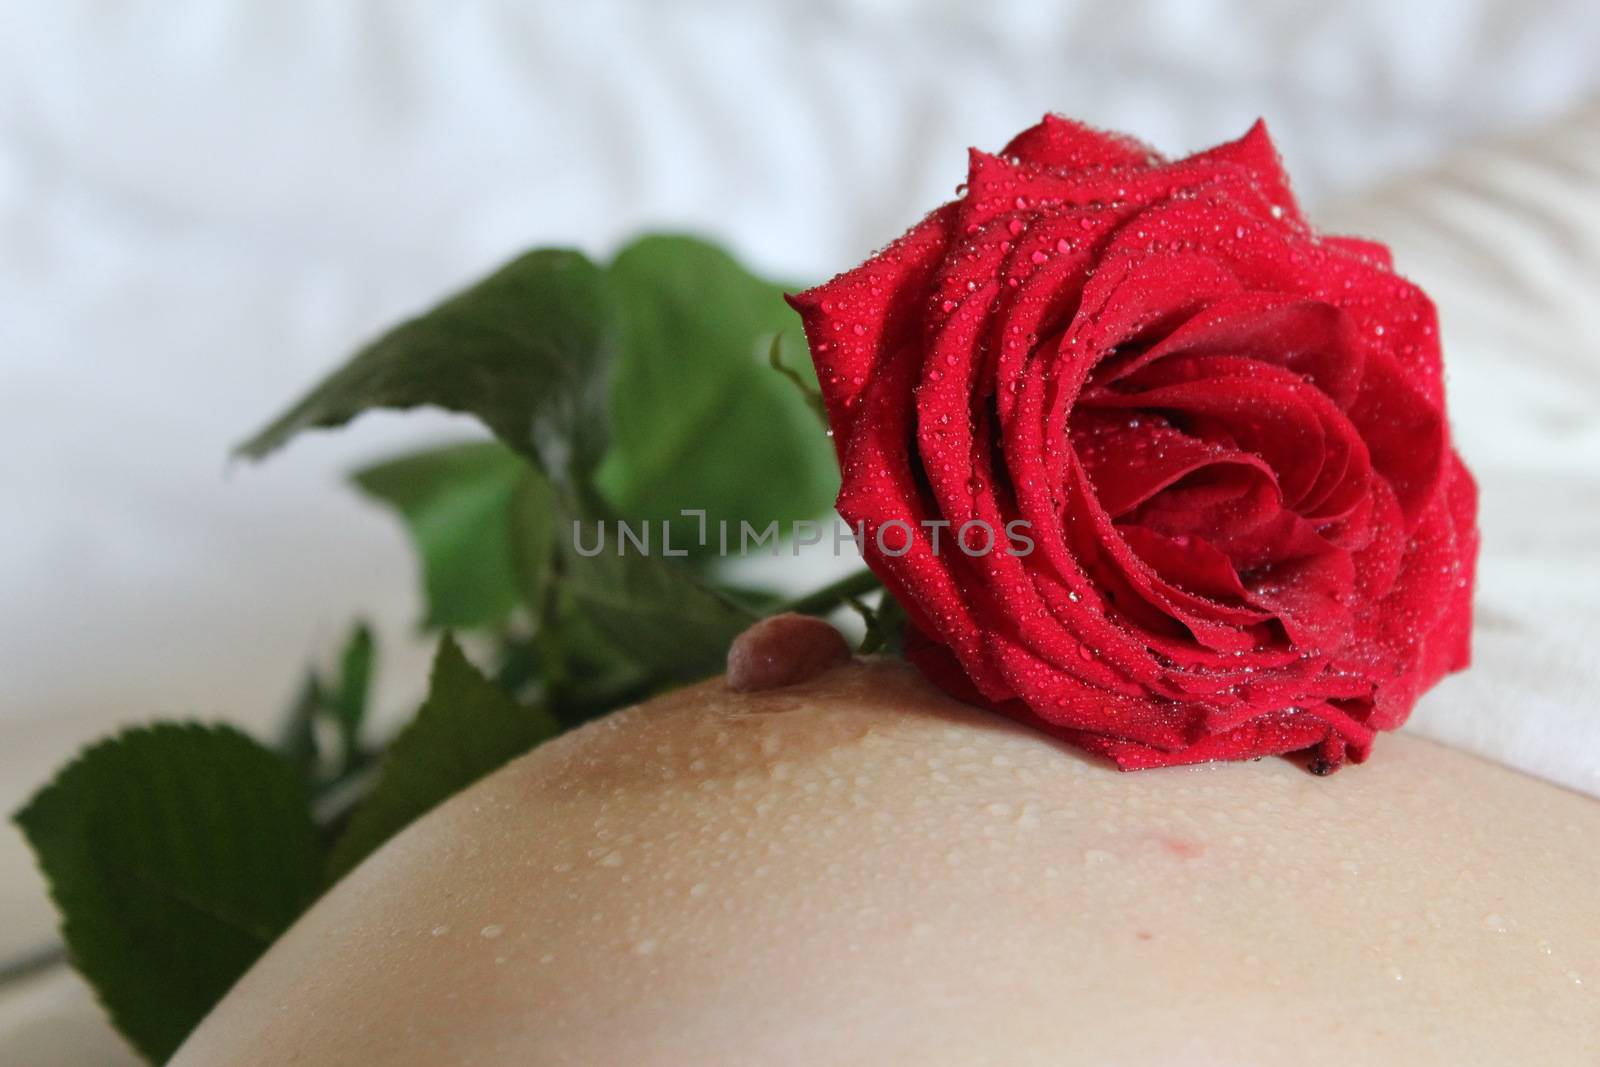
x: 1224, y: 432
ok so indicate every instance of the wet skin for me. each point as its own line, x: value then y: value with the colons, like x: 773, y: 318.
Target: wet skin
x: 857, y: 870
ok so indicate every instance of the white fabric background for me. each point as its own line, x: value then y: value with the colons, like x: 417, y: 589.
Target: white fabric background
x: 204, y: 205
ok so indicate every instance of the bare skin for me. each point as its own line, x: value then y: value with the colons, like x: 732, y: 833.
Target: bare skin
x: 857, y: 870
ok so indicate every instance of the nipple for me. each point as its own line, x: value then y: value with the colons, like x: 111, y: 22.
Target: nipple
x: 783, y: 650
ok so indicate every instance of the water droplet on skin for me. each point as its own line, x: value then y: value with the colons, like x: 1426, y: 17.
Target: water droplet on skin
x: 645, y: 947
x: 440, y: 930
x: 492, y: 931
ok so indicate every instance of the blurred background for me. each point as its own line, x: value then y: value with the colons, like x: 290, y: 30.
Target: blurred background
x: 206, y: 205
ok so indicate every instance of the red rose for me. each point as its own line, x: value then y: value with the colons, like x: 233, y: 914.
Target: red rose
x: 1223, y: 434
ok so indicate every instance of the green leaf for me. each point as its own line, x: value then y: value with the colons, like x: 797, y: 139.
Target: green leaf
x: 297, y: 740
x: 349, y: 704
x: 456, y: 503
x: 176, y: 854
x: 527, y: 350
x: 532, y: 520
x: 466, y: 728
x: 656, y: 612
x: 343, y: 705
x: 586, y: 674
x: 699, y: 419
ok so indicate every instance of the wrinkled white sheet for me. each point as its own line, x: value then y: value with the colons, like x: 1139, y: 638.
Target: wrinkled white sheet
x: 204, y: 205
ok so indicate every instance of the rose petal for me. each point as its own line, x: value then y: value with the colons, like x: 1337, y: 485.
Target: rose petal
x: 857, y: 320
x: 1064, y: 144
